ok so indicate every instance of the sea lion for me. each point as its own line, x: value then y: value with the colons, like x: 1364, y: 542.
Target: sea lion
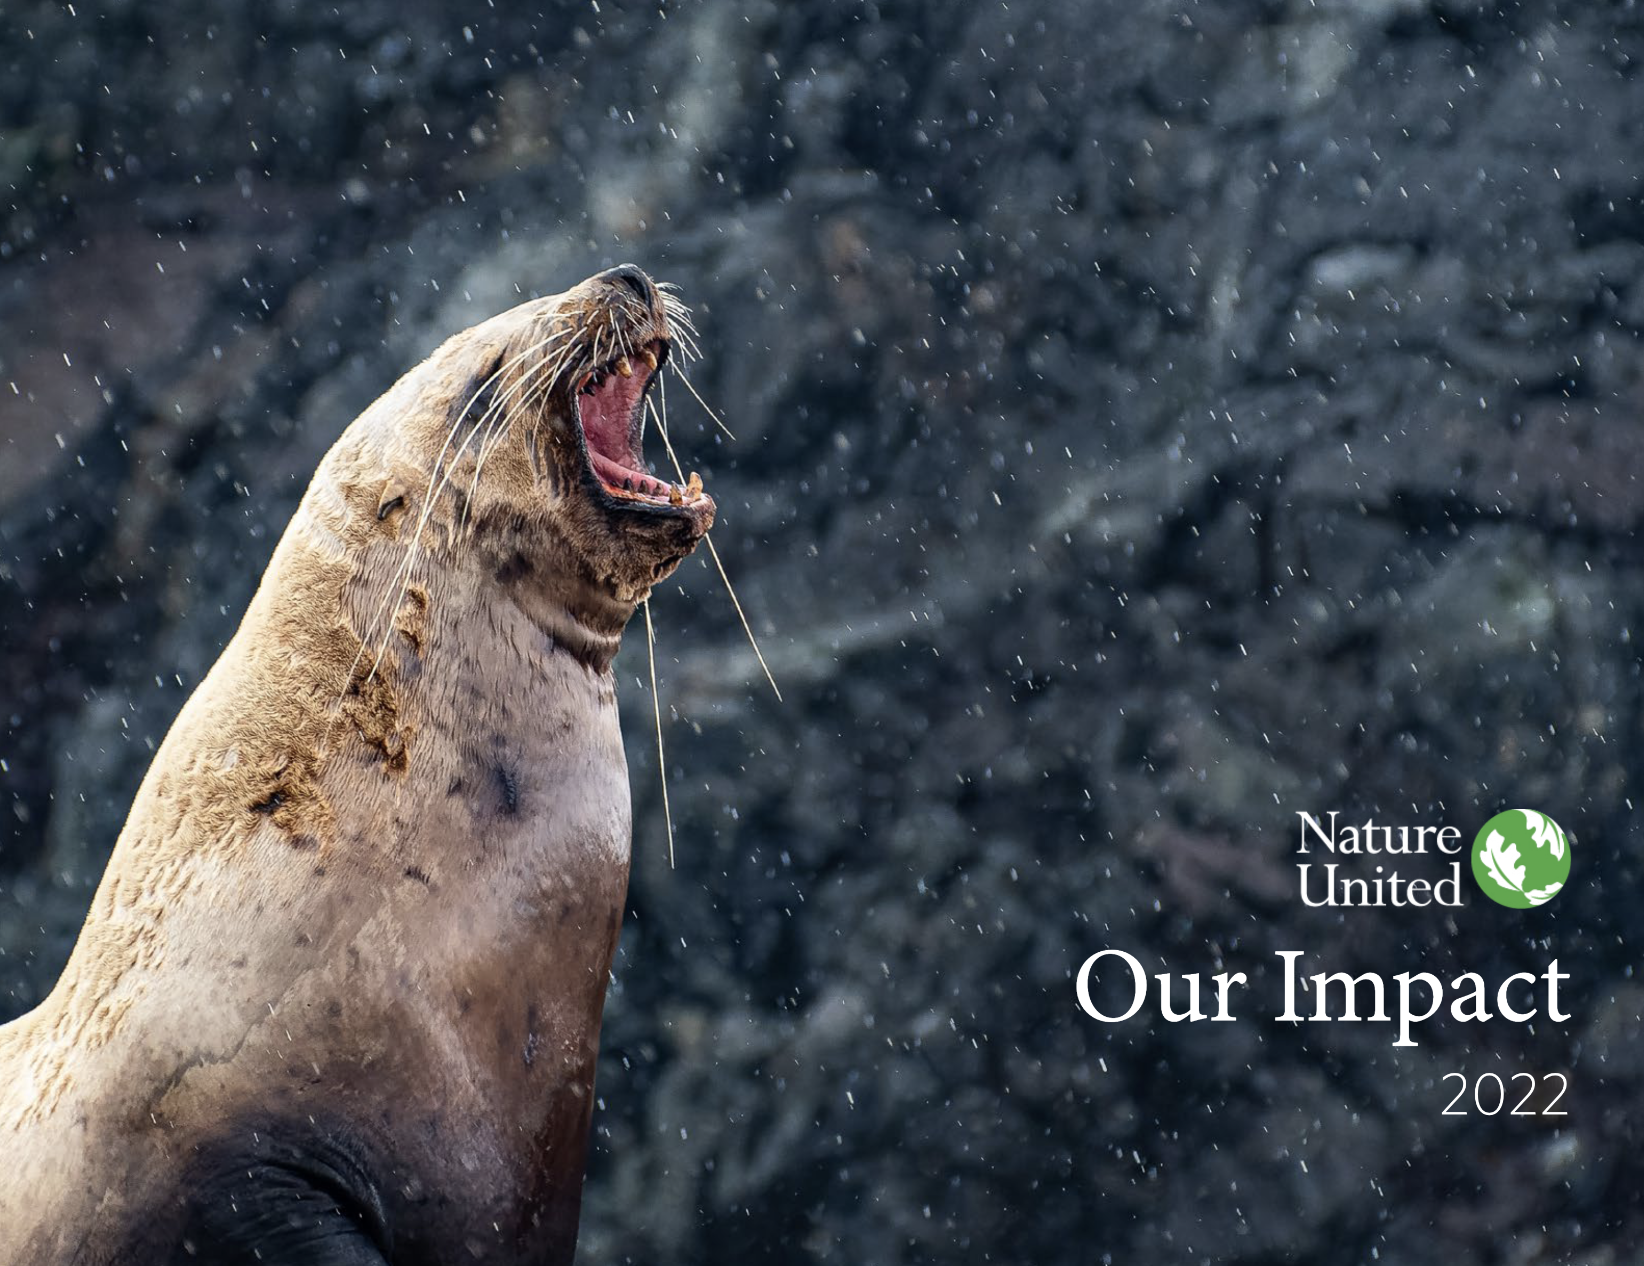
x: 338, y: 996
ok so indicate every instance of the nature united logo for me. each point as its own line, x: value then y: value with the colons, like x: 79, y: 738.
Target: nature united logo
x: 1521, y: 858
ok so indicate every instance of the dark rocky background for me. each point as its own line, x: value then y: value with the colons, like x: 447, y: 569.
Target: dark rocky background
x: 1154, y: 419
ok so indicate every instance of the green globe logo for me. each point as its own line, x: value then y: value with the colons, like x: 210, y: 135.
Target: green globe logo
x: 1521, y: 858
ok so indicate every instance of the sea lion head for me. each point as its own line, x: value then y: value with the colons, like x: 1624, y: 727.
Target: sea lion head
x: 531, y: 428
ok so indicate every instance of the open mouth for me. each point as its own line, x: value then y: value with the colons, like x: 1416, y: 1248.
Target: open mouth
x: 611, y: 410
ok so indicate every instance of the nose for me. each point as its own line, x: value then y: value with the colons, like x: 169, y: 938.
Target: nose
x: 634, y: 279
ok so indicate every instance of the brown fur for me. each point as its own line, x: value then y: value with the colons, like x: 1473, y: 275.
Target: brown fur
x: 374, y: 878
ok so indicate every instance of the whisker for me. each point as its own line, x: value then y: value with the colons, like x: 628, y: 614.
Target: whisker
x: 741, y: 615
x: 488, y: 420
x: 708, y: 540
x: 656, y: 708
x: 497, y: 432
x: 548, y: 375
x: 682, y: 320
x: 688, y: 387
x: 496, y: 423
x: 403, y: 574
x: 439, y: 478
x: 687, y: 349
x: 680, y: 315
x: 687, y: 344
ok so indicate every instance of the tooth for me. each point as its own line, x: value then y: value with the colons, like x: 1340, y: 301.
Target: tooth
x: 650, y: 358
x: 628, y: 484
x: 623, y: 367
x: 675, y: 496
x: 694, y: 485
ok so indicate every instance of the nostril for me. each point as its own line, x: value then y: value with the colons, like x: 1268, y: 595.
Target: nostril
x: 633, y: 278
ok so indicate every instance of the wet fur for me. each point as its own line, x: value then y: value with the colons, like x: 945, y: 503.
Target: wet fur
x: 338, y: 995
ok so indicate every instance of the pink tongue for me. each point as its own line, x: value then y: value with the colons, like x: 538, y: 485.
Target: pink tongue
x: 606, y: 412
x: 615, y: 476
